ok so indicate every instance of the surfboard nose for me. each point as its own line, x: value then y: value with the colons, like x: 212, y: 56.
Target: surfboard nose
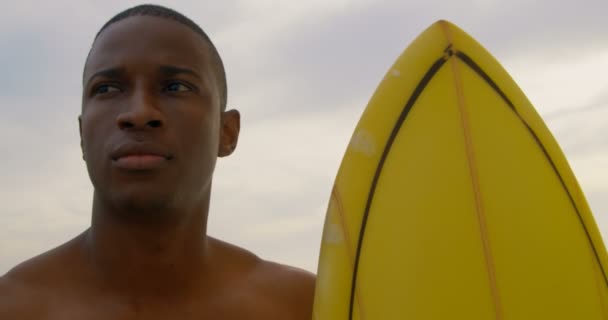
x: 466, y: 209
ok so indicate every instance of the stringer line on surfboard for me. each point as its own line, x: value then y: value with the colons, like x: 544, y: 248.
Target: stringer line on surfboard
x: 469, y: 62
x: 435, y: 67
x: 408, y: 106
x: 475, y: 184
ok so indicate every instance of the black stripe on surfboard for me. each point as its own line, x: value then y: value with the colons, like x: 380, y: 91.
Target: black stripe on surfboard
x: 406, y: 110
x: 477, y: 69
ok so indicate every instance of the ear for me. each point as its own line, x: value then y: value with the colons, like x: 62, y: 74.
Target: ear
x: 80, y: 133
x: 229, y: 132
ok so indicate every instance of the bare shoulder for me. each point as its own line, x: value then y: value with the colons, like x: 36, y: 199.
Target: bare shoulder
x: 274, y: 290
x: 27, y: 289
x: 48, y: 268
x: 24, y: 293
x: 273, y: 276
x: 289, y: 286
x: 19, y: 299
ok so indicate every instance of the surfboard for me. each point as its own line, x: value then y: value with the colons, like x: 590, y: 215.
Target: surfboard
x: 454, y: 201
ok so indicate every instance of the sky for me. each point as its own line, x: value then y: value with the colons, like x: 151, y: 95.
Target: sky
x: 300, y: 73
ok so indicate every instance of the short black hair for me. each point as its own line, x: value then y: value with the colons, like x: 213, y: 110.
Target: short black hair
x: 164, y: 12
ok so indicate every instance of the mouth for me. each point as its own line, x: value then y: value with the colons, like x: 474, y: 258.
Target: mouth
x: 140, y: 157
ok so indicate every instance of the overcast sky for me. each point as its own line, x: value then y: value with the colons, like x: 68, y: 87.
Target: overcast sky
x: 301, y: 73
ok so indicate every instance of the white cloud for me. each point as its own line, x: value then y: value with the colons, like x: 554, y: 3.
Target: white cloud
x: 282, y: 174
x: 578, y: 74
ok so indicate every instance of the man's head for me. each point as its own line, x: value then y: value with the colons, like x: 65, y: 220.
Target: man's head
x: 170, y: 14
x: 153, y: 112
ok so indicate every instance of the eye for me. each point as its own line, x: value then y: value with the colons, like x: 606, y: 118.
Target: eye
x: 177, y: 87
x: 105, y: 88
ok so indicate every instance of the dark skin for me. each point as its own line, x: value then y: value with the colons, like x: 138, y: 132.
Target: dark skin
x: 151, y: 131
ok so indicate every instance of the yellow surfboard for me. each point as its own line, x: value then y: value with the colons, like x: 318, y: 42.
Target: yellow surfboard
x: 454, y: 201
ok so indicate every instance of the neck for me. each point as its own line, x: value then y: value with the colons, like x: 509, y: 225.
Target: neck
x: 134, y: 256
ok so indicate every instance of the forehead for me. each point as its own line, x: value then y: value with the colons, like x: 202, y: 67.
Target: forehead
x: 146, y: 40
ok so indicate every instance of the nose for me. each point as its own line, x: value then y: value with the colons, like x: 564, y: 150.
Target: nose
x: 143, y: 114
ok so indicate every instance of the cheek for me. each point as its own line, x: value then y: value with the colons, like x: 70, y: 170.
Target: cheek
x: 90, y: 136
x: 200, y: 133
x: 91, y: 146
x: 96, y: 130
x: 202, y: 144
x: 199, y: 142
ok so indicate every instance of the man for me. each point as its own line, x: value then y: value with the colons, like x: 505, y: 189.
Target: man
x: 153, y: 123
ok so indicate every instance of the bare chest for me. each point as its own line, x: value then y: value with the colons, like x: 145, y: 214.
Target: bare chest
x: 226, y: 307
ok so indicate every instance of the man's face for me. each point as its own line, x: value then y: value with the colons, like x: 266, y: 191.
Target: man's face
x: 151, y: 125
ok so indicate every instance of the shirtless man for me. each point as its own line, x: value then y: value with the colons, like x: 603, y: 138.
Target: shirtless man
x: 153, y: 123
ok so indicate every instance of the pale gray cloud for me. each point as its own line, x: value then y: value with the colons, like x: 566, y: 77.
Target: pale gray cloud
x: 329, y: 60
x: 582, y: 131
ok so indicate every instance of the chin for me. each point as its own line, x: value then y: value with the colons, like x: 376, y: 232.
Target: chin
x: 143, y: 204
x: 139, y: 201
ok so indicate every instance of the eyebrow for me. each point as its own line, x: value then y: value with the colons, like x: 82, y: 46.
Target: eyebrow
x: 170, y: 71
x: 107, y: 73
x: 166, y: 70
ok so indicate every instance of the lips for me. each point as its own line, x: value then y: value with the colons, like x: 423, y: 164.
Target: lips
x: 140, y: 156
